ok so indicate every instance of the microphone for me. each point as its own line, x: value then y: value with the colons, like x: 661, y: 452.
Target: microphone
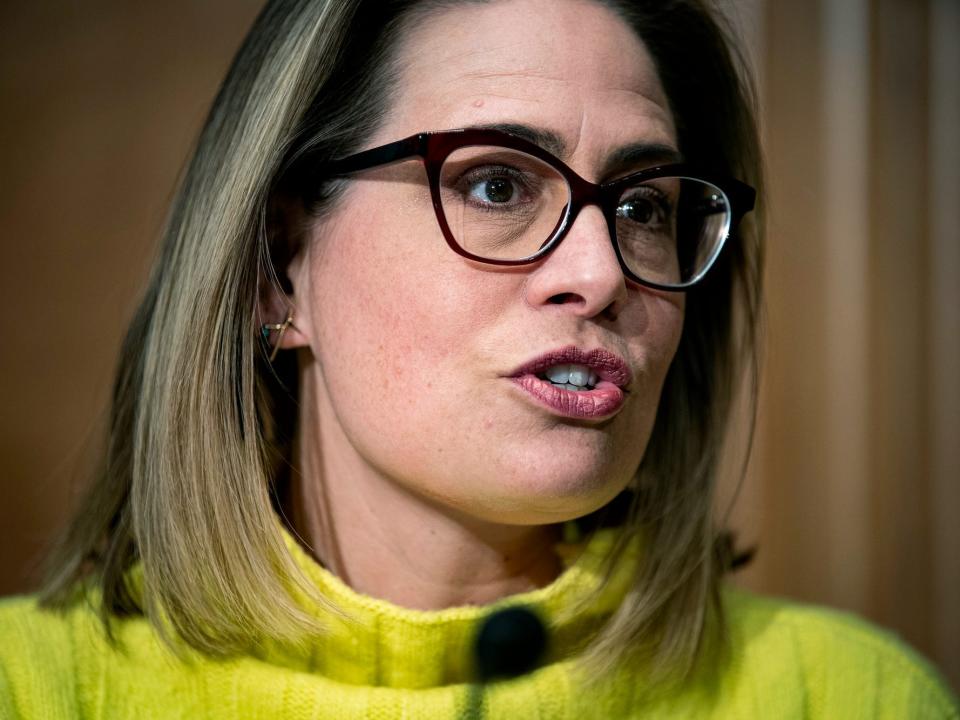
x: 510, y: 643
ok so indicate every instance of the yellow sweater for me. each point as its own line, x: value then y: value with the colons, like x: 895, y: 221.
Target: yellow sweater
x: 787, y: 661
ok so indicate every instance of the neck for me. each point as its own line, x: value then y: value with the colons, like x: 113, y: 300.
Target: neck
x: 386, y: 541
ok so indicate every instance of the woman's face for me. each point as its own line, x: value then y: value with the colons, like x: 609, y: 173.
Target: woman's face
x: 412, y: 348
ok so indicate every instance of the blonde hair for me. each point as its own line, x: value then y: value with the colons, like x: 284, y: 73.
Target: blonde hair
x: 200, y: 421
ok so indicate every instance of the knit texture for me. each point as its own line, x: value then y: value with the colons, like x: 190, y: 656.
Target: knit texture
x: 383, y: 661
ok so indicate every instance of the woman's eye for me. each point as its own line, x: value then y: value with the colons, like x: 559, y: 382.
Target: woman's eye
x: 644, y: 210
x: 498, y: 187
x: 639, y: 211
x: 496, y: 190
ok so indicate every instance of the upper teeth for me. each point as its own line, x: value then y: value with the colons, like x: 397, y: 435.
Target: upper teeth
x: 579, y: 375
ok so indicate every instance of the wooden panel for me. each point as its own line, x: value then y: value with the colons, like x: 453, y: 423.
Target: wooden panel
x: 943, y: 379
x: 899, y: 330
x: 845, y: 173
x: 790, y: 461
x: 100, y: 105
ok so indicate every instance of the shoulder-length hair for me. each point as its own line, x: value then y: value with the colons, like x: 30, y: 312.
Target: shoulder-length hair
x: 201, y: 422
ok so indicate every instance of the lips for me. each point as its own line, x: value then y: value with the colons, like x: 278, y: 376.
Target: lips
x: 604, y: 400
x: 607, y: 365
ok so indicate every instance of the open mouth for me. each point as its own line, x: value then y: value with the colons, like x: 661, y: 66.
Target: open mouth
x: 570, y: 382
x: 570, y: 377
x: 574, y: 369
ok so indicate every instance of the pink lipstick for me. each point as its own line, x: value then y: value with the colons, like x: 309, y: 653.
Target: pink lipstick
x: 602, y: 400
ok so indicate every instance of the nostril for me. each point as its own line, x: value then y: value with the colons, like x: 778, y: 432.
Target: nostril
x: 561, y: 298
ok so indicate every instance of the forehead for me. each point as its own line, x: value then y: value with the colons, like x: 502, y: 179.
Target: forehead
x: 570, y: 66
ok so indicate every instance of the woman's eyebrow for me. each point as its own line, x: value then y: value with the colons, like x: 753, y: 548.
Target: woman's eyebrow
x: 547, y: 139
x: 641, y: 154
x: 634, y: 155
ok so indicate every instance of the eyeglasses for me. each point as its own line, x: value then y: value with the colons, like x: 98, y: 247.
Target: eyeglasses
x: 503, y: 200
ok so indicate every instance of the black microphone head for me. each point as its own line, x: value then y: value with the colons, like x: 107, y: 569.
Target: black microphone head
x: 510, y: 643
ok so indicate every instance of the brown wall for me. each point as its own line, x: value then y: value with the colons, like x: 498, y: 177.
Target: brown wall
x: 854, y: 481
x: 100, y: 103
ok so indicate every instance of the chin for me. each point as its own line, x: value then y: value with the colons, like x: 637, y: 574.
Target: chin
x: 550, y: 493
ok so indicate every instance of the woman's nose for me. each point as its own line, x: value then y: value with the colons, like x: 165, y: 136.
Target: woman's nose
x: 583, y: 273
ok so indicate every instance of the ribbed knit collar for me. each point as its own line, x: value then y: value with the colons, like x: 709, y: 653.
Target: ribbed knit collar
x: 373, y: 642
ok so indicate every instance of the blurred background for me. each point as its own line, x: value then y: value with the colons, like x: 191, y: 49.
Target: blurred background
x: 852, y: 496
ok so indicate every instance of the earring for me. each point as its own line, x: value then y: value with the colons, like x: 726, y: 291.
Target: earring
x: 281, y: 327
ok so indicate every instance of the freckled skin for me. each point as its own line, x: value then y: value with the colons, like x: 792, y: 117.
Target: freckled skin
x: 464, y: 325
x: 405, y: 346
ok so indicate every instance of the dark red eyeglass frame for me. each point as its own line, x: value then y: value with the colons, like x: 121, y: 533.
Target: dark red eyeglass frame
x: 434, y: 148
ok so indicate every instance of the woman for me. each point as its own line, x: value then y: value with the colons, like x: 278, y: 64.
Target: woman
x: 421, y: 413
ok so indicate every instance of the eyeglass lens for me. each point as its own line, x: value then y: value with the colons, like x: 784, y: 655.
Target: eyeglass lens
x: 502, y: 204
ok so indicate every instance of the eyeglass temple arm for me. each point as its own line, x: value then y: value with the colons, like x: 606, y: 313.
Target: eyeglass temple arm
x: 415, y: 145
x: 744, y: 198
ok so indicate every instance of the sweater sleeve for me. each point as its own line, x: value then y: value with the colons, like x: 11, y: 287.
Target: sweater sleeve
x: 865, y: 671
x: 7, y: 709
x: 37, y: 677
x: 829, y: 664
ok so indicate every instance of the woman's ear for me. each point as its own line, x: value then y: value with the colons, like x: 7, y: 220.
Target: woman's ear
x: 283, y: 311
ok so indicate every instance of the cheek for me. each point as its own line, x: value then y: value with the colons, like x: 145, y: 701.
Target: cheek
x: 393, y: 311
x: 368, y: 317
x: 398, y: 316
x: 654, y: 347
x: 660, y: 343
x: 666, y: 311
